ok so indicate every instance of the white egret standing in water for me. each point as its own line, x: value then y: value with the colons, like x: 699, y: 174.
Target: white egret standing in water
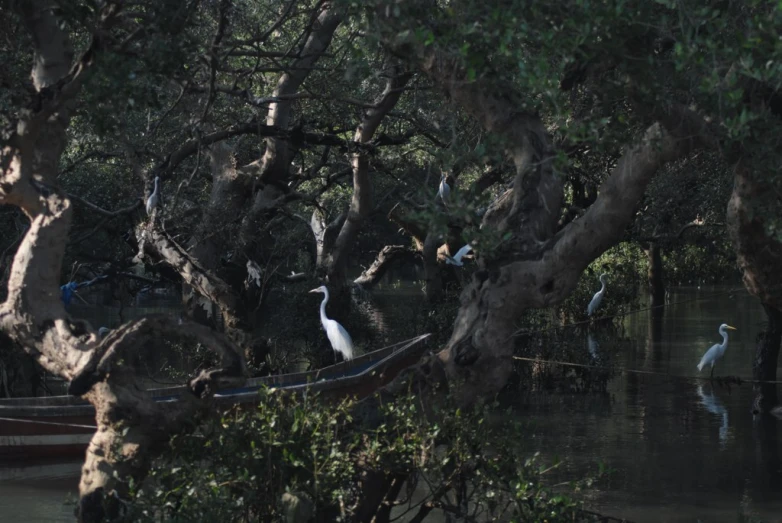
x: 338, y: 337
x: 445, y: 190
x: 598, y: 297
x: 717, y: 350
x: 457, y: 258
x: 154, y: 198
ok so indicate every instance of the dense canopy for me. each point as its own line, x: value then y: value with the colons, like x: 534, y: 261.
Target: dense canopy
x: 303, y: 141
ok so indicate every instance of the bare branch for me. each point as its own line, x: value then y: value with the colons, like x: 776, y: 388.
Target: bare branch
x: 159, y: 244
x: 387, y: 256
x: 361, y: 203
x: 222, y: 24
x: 104, y: 212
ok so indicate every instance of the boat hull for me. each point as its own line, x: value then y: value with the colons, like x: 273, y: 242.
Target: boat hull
x: 62, y: 426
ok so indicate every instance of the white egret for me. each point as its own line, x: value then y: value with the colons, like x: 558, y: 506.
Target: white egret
x: 717, y: 350
x: 445, y: 190
x: 154, y: 198
x: 598, y: 297
x: 338, y: 337
x: 457, y: 258
x: 254, y: 273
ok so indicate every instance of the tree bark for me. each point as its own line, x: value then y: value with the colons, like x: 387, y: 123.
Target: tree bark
x: 131, y: 427
x: 218, y: 228
x: 401, y: 216
x: 387, y: 256
x: 161, y: 246
x: 753, y: 204
x: 766, y: 361
x: 535, y: 267
x: 361, y: 203
x: 479, y: 351
x: 273, y: 169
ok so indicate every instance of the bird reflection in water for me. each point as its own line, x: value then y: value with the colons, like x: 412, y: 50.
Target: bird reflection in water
x: 713, y: 405
x: 592, y: 346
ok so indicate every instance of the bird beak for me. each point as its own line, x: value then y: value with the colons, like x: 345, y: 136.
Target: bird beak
x: 315, y: 290
x: 731, y: 328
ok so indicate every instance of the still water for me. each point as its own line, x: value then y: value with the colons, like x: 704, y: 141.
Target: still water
x: 679, y: 449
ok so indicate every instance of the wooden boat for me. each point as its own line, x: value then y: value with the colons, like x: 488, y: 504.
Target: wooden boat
x: 63, y: 425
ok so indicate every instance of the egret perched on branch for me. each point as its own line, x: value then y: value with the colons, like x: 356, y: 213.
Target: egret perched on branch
x: 154, y: 198
x: 598, y: 297
x: 445, y: 190
x: 338, y: 336
x: 717, y: 350
x: 457, y: 258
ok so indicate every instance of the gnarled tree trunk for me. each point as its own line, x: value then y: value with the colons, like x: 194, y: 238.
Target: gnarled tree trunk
x: 131, y: 426
x: 336, y: 258
x: 538, y: 267
x: 273, y: 170
x: 218, y: 228
x: 753, y: 203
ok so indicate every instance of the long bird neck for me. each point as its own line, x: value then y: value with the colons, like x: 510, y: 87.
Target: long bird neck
x: 602, y: 285
x: 156, y: 188
x: 724, y: 344
x: 323, y: 316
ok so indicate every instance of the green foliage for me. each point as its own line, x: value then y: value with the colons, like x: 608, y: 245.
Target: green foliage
x: 625, y: 266
x: 237, y: 468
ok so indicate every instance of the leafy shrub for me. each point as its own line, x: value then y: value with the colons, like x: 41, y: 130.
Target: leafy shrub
x: 328, y: 455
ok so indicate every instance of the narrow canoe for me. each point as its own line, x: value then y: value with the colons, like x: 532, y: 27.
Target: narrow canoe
x: 58, y: 426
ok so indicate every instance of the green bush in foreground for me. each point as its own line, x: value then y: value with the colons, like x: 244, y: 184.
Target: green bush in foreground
x: 335, y: 459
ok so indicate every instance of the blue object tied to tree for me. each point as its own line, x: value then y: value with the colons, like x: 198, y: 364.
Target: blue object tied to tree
x: 66, y: 292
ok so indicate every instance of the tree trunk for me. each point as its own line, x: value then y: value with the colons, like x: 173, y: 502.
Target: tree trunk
x: 766, y: 359
x: 361, y: 203
x: 131, y: 426
x: 273, y: 169
x: 218, y: 228
x: 387, y: 256
x: 536, y: 266
x: 753, y: 204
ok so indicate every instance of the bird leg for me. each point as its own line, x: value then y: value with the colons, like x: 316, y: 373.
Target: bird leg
x: 711, y: 377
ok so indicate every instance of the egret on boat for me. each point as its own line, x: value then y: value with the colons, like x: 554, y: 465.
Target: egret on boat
x: 598, y: 297
x: 154, y: 198
x: 457, y: 258
x: 445, y: 190
x: 717, y: 350
x: 338, y: 337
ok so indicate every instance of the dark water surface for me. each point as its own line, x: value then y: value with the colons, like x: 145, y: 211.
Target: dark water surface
x: 680, y: 449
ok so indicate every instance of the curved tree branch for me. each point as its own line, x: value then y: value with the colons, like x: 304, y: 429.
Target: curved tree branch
x: 361, y: 203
